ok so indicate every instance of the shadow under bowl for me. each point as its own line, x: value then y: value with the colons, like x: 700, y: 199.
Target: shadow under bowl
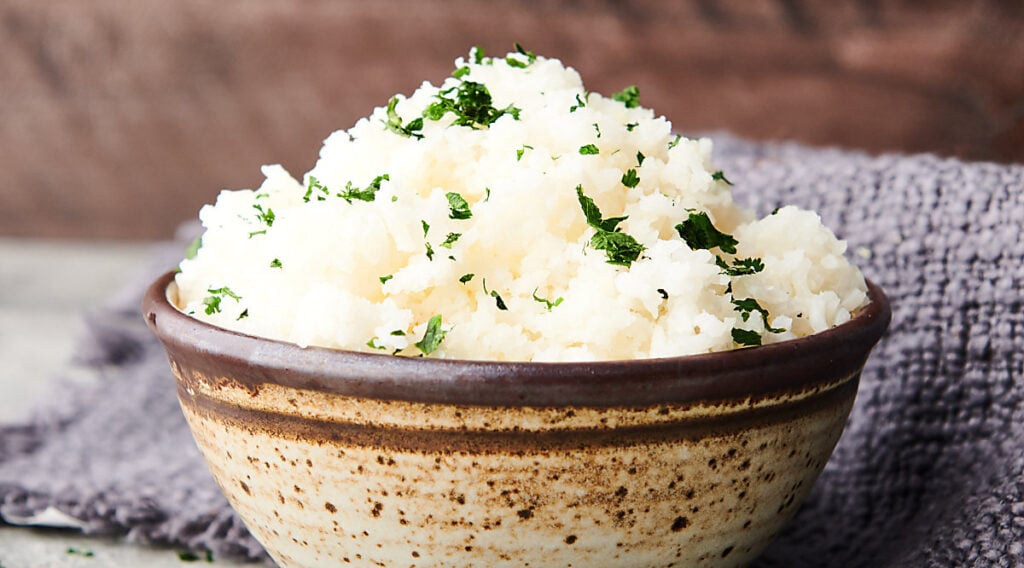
x: 333, y: 457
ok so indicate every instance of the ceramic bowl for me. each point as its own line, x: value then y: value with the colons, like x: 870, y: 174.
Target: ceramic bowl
x: 336, y: 458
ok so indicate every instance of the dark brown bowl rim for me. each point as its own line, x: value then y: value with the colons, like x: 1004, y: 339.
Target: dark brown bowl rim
x: 727, y: 377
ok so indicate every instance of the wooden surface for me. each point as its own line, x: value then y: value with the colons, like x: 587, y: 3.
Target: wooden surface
x: 119, y: 119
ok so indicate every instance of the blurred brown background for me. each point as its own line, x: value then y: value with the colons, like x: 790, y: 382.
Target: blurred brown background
x: 119, y: 119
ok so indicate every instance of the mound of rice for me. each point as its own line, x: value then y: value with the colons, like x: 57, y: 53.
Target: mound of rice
x: 511, y: 215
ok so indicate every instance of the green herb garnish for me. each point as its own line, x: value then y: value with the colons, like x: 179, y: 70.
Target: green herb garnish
x: 430, y: 251
x: 630, y: 96
x: 385, y: 278
x: 398, y: 333
x: 630, y: 178
x: 243, y: 315
x: 597, y: 128
x: 212, y: 302
x: 494, y: 294
x: 461, y: 72
x: 78, y: 552
x: 640, y: 158
x: 458, y: 208
x: 476, y: 54
x: 426, y: 227
x: 521, y: 151
x: 372, y: 344
x: 675, y: 142
x: 267, y: 216
x: 394, y: 122
x: 450, y: 239
x: 276, y: 263
x: 620, y: 248
x: 314, y: 184
x: 720, y: 176
x: 589, y: 150
x: 193, y: 248
x: 740, y: 266
x: 746, y: 337
x: 547, y: 303
x: 531, y: 57
x: 580, y: 103
x: 748, y: 306
x: 630, y: 126
x: 471, y: 104
x: 466, y: 277
x: 699, y: 233
x: 368, y: 194
x: 432, y: 337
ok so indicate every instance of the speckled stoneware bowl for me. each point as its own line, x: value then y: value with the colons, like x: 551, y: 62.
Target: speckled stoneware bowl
x: 336, y: 458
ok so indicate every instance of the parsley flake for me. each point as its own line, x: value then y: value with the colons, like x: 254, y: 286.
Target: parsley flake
x: 472, y: 106
x: 699, y: 233
x: 368, y: 194
x: 244, y: 314
x: 746, y: 337
x: 518, y: 62
x: 589, y: 150
x: 430, y: 251
x: 267, y: 216
x: 630, y: 96
x: 466, y: 277
x: 620, y: 248
x: 748, y: 306
x: 720, y: 176
x: 314, y: 185
x: 675, y: 142
x: 398, y: 333
x: 461, y: 72
x: 78, y: 552
x: 193, y: 248
x: 580, y: 103
x: 384, y: 279
x: 498, y: 301
x: 476, y: 54
x: 630, y: 178
x: 276, y: 263
x: 426, y: 227
x: 458, y: 208
x: 597, y: 128
x: 212, y: 302
x: 450, y: 239
x: 740, y: 266
x: 521, y: 151
x: 630, y: 126
x: 432, y: 337
x: 640, y: 158
x: 394, y: 122
x: 372, y: 344
x: 547, y: 303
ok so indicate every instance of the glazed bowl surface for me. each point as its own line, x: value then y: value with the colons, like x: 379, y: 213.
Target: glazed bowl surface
x: 334, y: 457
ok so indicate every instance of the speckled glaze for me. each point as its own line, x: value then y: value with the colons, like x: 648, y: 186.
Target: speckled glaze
x: 338, y: 458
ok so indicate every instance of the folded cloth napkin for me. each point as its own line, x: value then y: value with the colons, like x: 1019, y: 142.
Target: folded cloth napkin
x: 930, y: 471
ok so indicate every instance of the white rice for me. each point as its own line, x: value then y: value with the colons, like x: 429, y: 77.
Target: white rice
x: 317, y: 273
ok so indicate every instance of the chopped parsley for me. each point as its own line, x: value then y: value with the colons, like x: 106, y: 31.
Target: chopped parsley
x: 699, y: 233
x: 675, y: 142
x: 458, y: 208
x: 621, y: 249
x: 476, y: 54
x: 398, y: 333
x: 244, y: 314
x: 466, y: 277
x: 394, y: 122
x: 547, y: 303
x: 487, y: 194
x: 212, y: 302
x: 461, y: 72
x: 597, y: 128
x: 368, y: 194
x: 513, y: 61
x: 630, y: 126
x: 746, y: 337
x: 426, y: 227
x: 589, y: 150
x: 580, y: 102
x: 740, y: 266
x: 430, y: 251
x: 384, y: 279
x: 276, y: 263
x: 494, y: 294
x: 267, y: 216
x: 193, y: 248
x: 432, y: 337
x: 748, y: 306
x: 471, y: 104
x: 630, y: 178
x: 78, y: 552
x: 450, y: 239
x: 186, y: 556
x: 314, y: 184
x: 630, y: 96
x: 521, y: 151
x: 720, y: 176
x: 260, y: 232
x: 640, y: 158
x: 372, y: 344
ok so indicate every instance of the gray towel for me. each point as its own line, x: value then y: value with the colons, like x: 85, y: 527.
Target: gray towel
x: 930, y: 471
